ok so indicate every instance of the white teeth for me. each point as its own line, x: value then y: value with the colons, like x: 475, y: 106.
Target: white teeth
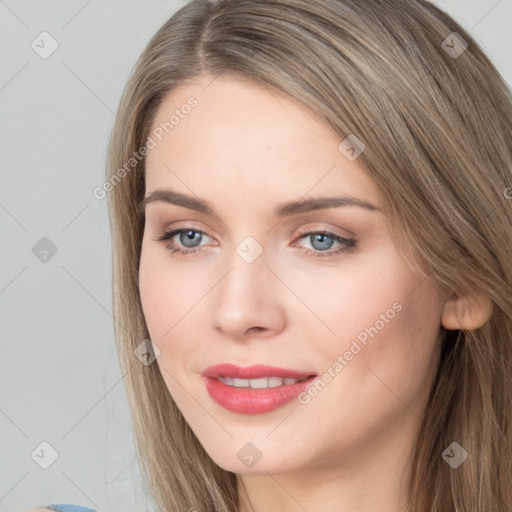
x: 259, y: 383
x: 241, y: 383
x: 274, y: 382
x: 264, y: 382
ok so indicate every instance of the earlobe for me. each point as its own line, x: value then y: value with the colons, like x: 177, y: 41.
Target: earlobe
x: 467, y: 312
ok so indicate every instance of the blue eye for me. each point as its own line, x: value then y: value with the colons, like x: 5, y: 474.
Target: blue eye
x: 187, y: 236
x: 321, y: 241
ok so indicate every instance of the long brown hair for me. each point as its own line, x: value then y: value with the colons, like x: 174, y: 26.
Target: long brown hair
x: 436, y: 119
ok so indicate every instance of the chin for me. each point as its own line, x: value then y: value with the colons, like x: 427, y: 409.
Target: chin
x: 247, y: 458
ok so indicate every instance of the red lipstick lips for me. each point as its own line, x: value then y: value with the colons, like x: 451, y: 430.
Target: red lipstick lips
x: 254, y: 389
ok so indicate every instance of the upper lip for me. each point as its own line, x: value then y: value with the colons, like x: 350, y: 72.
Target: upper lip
x: 256, y: 371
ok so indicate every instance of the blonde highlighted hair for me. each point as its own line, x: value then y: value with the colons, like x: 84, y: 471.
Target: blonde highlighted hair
x: 437, y: 126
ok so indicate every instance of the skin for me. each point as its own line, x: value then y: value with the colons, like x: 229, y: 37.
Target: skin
x: 245, y: 150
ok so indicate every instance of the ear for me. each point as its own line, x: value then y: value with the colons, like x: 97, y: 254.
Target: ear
x: 466, y: 312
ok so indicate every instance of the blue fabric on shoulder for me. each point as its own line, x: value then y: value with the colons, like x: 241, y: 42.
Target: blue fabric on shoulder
x: 68, y: 507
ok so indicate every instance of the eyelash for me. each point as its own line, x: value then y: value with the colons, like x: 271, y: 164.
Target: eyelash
x: 167, y: 236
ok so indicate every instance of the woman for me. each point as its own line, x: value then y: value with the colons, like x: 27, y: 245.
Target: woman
x: 311, y: 207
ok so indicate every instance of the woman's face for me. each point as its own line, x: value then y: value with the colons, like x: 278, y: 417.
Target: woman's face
x: 267, y: 285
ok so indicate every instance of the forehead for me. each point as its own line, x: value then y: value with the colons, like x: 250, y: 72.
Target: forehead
x: 242, y: 138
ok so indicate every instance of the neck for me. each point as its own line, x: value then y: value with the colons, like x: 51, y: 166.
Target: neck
x: 368, y: 477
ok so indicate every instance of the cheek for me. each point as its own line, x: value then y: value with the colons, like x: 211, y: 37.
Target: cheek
x: 158, y: 287
x: 378, y: 313
x: 387, y: 332
x: 173, y: 304
x: 162, y: 311
x: 362, y: 292
x: 153, y: 300
x: 386, y: 322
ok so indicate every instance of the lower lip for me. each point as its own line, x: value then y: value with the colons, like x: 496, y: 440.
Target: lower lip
x: 254, y: 401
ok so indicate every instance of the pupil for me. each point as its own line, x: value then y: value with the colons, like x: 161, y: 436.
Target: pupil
x: 320, y: 237
x: 189, y: 236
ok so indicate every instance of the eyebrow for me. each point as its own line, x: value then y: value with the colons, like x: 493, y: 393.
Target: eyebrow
x: 283, y: 210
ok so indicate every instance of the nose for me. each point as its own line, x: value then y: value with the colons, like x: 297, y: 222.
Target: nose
x: 248, y: 301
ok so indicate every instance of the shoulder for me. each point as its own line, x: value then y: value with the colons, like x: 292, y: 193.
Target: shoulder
x: 61, y: 507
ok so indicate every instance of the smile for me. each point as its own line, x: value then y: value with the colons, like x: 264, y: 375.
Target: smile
x: 262, y: 383
x: 254, y: 389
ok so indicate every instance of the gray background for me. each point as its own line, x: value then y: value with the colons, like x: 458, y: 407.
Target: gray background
x: 60, y: 380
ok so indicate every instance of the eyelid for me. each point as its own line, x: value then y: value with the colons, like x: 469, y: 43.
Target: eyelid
x: 318, y: 226
x: 322, y: 228
x: 184, y: 225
